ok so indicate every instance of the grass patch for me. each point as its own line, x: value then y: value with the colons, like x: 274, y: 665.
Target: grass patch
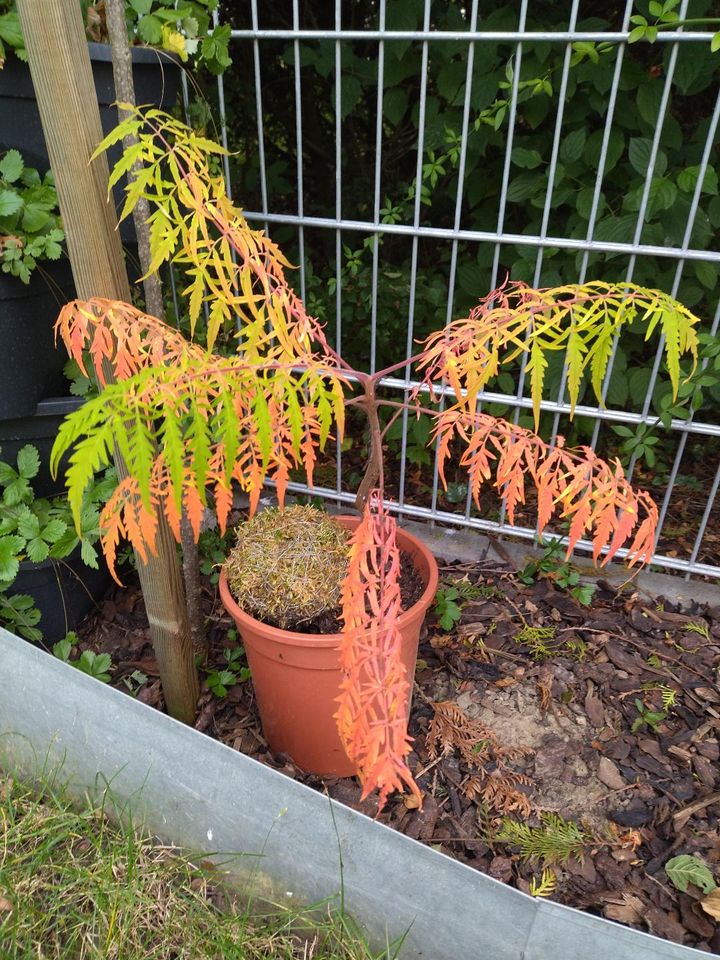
x: 75, y: 885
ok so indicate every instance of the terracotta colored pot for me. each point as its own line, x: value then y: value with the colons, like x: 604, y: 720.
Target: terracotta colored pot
x: 297, y: 676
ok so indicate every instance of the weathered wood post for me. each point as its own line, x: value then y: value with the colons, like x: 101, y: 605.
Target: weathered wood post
x: 62, y: 77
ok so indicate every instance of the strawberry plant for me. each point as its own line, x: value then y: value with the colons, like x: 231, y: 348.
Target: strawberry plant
x: 190, y: 423
x: 30, y: 227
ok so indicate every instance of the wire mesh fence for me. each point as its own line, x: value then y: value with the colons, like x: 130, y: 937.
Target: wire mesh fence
x: 328, y: 102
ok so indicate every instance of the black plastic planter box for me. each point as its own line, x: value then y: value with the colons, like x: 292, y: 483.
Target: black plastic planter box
x: 30, y: 366
x: 156, y: 77
x: 64, y: 591
x: 40, y: 430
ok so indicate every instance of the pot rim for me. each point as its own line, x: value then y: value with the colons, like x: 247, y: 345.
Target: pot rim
x: 292, y: 638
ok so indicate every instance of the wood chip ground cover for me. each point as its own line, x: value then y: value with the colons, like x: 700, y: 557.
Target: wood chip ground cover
x: 569, y: 751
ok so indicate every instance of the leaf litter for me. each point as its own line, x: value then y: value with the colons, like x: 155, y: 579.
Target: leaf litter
x: 536, y: 721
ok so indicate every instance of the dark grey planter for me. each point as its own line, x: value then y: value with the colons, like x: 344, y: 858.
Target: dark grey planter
x: 64, y: 592
x: 285, y: 838
x: 156, y: 81
x: 40, y: 430
x: 30, y: 365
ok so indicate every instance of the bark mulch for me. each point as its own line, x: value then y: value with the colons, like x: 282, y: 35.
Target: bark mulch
x: 562, y: 749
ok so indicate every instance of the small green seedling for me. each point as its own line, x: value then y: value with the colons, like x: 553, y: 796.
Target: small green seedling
x: 446, y: 607
x: 451, y: 597
x: 648, y: 718
x: 96, y: 665
x: 220, y: 681
x: 551, y: 565
x: 134, y: 681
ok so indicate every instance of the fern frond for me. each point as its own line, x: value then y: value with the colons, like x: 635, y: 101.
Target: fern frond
x: 545, y: 887
x: 579, y: 319
x: 374, y: 700
x: 574, y: 485
x: 554, y: 841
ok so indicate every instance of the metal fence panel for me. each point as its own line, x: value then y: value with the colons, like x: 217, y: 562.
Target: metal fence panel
x: 248, y: 42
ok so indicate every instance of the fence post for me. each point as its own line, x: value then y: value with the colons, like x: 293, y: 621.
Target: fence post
x: 62, y: 77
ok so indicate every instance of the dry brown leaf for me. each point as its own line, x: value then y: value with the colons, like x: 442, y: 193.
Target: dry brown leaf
x: 544, y: 687
x: 711, y: 904
x: 628, y: 909
x: 452, y: 729
x: 5, y: 905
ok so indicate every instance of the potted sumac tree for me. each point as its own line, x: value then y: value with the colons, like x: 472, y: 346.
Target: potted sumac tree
x: 191, y: 423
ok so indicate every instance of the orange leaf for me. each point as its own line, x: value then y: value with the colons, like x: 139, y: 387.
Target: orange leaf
x: 373, y: 713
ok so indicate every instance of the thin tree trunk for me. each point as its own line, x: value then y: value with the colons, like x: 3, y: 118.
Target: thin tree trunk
x: 62, y: 77
x: 125, y: 93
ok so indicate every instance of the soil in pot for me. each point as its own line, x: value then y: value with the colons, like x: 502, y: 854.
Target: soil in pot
x: 547, y: 692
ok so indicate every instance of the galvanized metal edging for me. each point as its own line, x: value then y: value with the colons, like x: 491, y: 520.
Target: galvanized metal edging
x: 279, y: 835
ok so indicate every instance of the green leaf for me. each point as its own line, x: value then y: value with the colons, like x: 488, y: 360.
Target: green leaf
x: 395, y: 103
x: 648, y: 102
x: 141, y: 7
x: 686, y: 869
x: 638, y: 33
x: 62, y: 649
x: 88, y: 554
x: 688, y: 178
x: 662, y: 195
x: 7, y: 474
x: 616, y: 229
x: 11, y: 31
x: 528, y: 159
x: 350, y: 94
x: 95, y: 665
x: 10, y: 202
x: 615, y: 149
x: 584, y: 202
x: 28, y: 461
x: 706, y: 273
x: 11, y: 166
x: 10, y: 548
x: 28, y: 525
x: 35, y: 217
x: 149, y: 29
x: 639, y: 155
x: 53, y: 530
x: 525, y: 185
x: 573, y: 145
x: 18, y: 491
x: 37, y: 550
x: 715, y: 43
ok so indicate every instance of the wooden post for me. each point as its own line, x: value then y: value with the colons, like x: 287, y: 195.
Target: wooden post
x: 62, y: 77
